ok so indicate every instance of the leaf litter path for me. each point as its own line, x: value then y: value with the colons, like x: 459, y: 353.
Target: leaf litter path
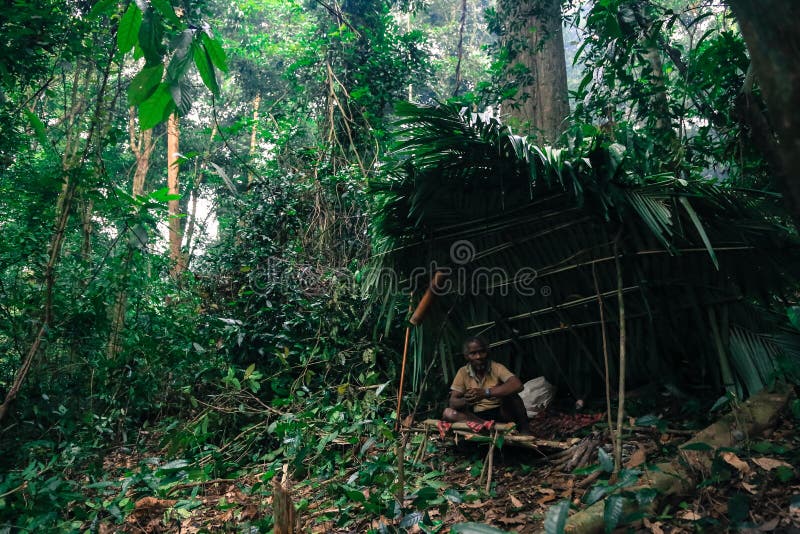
x: 753, y: 488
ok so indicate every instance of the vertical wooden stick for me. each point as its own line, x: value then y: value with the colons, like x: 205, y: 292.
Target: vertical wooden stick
x: 490, y: 462
x: 402, y: 379
x: 282, y: 507
x: 422, y: 446
x: 401, y: 469
x: 621, y: 392
x: 611, y: 433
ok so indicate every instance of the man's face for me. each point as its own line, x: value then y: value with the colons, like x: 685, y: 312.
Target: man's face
x: 477, y: 356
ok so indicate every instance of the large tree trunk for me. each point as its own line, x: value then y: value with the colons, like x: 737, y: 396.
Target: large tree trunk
x: 534, y: 37
x: 175, y: 236
x: 774, y: 40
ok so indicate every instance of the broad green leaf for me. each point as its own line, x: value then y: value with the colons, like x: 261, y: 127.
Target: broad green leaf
x: 144, y: 84
x: 612, y: 512
x: 645, y: 496
x: 648, y: 420
x: 453, y: 495
x: 784, y: 474
x: 793, y: 313
x: 157, y: 108
x: 762, y: 447
x: 175, y: 464
x: 738, y: 507
x: 424, y: 495
x: 355, y: 495
x: 698, y: 446
x: 167, y: 11
x: 151, y: 36
x: 215, y: 52
x: 175, y: 91
x: 556, y: 518
x: 249, y: 371
x: 606, y: 462
x: 181, y: 95
x: 128, y: 30
x: 162, y: 195
x: 411, y: 519
x: 205, y: 68
x: 181, y: 56
x: 595, y: 494
x: 101, y: 8
x: 588, y: 470
x: 38, y: 127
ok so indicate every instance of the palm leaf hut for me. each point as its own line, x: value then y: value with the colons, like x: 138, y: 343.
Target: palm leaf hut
x: 539, y: 244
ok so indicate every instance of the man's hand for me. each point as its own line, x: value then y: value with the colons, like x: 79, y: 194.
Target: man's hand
x: 473, y: 395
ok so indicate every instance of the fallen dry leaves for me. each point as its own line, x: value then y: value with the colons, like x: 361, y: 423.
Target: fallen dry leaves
x: 516, y: 503
x: 768, y: 464
x: 734, y: 461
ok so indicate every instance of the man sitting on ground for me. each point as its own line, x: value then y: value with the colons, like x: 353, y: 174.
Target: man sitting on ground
x: 484, y: 391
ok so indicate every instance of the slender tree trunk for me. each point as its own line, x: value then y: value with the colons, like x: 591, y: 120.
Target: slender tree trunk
x: 142, y: 145
x: 118, y: 311
x: 774, y: 41
x: 198, y: 179
x: 460, y: 49
x: 253, y: 136
x: 535, y: 39
x: 173, y: 132
x: 86, y: 209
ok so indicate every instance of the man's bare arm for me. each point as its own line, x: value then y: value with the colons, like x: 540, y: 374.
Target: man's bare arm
x: 457, y: 400
x: 509, y: 387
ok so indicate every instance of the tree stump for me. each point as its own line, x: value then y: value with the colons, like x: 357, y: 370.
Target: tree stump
x: 283, y: 512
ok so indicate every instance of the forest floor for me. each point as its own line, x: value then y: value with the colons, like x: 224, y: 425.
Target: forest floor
x: 752, y: 488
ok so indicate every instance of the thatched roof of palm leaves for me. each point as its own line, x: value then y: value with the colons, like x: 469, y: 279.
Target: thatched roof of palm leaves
x: 530, y: 235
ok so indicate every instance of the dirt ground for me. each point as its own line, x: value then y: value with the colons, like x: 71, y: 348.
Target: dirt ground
x: 752, y: 489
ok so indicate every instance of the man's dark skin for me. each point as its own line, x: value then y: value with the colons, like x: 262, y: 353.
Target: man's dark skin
x: 512, y: 408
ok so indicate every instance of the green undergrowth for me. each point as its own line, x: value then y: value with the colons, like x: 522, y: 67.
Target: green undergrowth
x: 338, y: 444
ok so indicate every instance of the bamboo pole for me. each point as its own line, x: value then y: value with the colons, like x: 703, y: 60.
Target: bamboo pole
x: 427, y: 299
x: 557, y: 329
x: 416, y: 318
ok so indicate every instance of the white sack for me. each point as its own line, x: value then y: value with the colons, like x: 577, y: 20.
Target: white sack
x: 537, y: 394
